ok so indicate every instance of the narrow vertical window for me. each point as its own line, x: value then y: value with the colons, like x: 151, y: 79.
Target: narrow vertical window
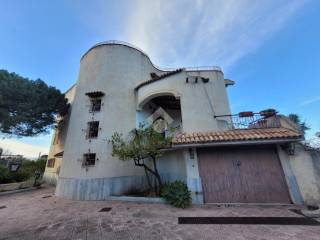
x: 93, y: 129
x: 95, y: 100
x: 95, y: 104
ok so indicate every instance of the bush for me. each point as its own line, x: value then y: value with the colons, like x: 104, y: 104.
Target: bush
x: 5, y: 176
x: 25, y: 172
x: 8, y: 177
x: 21, y: 175
x: 177, y: 194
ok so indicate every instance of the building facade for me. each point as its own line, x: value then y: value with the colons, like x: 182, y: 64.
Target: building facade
x: 119, y: 87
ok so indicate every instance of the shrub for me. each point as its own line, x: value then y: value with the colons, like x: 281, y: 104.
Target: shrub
x: 25, y: 172
x: 177, y: 194
x: 5, y: 176
x: 21, y: 175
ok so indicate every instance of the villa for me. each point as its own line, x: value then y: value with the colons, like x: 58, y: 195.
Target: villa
x: 223, y: 157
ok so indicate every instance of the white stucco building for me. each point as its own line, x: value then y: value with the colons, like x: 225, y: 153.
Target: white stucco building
x: 119, y: 87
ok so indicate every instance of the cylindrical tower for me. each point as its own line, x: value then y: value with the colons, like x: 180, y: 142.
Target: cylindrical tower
x: 108, y: 75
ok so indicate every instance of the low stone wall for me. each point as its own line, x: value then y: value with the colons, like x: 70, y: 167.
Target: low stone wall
x: 103, y: 188
x: 14, y: 186
x: 98, y: 188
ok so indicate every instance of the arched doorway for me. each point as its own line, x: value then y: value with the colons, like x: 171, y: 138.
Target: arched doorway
x: 162, y: 111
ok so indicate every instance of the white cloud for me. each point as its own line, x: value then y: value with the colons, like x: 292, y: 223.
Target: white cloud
x: 216, y: 32
x: 310, y: 101
x: 18, y: 147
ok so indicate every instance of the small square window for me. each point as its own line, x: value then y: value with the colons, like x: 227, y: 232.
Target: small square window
x: 95, y: 104
x: 89, y: 159
x: 93, y: 129
x: 51, y: 162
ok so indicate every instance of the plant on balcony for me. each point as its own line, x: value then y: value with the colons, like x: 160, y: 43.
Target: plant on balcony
x: 143, y: 147
x: 301, y: 124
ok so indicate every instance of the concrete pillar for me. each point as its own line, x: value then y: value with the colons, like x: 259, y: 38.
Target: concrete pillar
x: 291, y: 180
x: 193, y: 177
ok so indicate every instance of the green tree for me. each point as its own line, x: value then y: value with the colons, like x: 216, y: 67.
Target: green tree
x: 28, y: 107
x: 143, y: 147
x: 297, y: 120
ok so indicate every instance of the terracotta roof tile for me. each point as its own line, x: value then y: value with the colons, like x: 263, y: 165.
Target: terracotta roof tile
x: 236, y: 135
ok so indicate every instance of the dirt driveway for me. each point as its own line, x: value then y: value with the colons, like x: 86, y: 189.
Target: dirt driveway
x: 40, y: 215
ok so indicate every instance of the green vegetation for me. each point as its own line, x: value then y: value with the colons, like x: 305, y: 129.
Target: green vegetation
x: 25, y: 172
x: 143, y: 147
x: 297, y: 120
x: 28, y: 107
x: 177, y: 194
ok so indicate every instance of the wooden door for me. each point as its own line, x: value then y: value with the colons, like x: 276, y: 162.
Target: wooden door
x: 251, y: 174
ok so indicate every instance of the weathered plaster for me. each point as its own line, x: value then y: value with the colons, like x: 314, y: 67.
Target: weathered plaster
x: 51, y: 173
x: 116, y: 70
x: 291, y: 180
x: 193, y: 177
x: 306, y: 168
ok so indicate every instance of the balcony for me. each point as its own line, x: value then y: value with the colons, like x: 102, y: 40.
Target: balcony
x: 249, y: 120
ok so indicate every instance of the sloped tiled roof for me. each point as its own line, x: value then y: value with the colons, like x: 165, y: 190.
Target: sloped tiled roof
x: 236, y: 135
x: 159, y: 78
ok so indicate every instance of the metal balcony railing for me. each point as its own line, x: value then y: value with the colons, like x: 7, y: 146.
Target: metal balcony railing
x: 248, y: 120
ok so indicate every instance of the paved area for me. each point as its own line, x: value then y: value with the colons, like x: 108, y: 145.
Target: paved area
x: 38, y: 215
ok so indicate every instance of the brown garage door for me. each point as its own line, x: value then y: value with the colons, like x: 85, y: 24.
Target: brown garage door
x: 242, y: 174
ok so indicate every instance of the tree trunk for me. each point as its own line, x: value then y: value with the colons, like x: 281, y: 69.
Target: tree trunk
x: 157, y: 175
x: 154, y: 172
x: 148, y: 179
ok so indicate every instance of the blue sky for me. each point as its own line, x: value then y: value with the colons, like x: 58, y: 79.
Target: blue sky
x: 269, y: 47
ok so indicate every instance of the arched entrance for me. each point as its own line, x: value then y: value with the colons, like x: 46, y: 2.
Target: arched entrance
x: 163, y: 111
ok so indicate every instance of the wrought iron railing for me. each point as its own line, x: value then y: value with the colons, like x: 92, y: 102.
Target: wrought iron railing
x: 244, y: 120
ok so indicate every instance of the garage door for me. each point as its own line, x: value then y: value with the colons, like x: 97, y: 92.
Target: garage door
x: 242, y: 175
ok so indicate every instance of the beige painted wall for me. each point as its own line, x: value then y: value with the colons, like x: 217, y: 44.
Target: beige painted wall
x: 307, y: 171
x: 57, y: 146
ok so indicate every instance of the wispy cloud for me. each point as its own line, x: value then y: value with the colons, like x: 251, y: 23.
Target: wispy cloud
x: 310, y: 101
x: 198, y: 32
x: 18, y: 147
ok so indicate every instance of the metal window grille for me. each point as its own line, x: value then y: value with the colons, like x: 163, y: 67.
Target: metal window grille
x: 89, y: 159
x: 93, y: 129
x: 95, y: 105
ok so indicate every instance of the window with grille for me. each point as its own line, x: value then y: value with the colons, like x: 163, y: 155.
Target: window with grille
x: 89, y: 159
x: 95, y: 104
x: 93, y: 129
x: 50, y: 163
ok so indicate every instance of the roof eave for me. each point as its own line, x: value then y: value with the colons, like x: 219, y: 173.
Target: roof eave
x: 235, y: 143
